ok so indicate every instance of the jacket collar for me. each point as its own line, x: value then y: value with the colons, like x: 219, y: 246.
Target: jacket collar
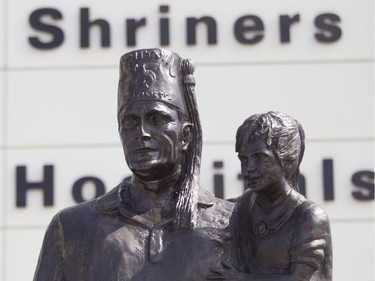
x: 111, y: 202
x: 281, y: 214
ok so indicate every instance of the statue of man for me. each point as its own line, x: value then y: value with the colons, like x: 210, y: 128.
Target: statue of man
x: 159, y: 225
x: 281, y: 234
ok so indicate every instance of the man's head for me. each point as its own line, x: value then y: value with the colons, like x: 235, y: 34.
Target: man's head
x: 158, y: 121
x: 283, y: 137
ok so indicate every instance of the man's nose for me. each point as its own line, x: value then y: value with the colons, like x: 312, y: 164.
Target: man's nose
x: 144, y: 130
x: 250, y: 165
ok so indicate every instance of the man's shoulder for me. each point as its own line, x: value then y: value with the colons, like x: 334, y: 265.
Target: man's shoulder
x: 207, y: 199
x: 86, y: 211
x: 213, y: 211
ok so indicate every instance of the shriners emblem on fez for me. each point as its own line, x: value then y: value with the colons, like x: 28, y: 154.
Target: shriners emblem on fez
x: 144, y: 75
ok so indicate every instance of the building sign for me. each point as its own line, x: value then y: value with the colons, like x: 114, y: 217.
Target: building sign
x: 247, y: 29
x: 76, y: 33
x: 362, y: 180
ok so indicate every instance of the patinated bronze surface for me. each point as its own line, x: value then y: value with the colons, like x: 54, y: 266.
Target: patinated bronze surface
x: 159, y: 225
x: 280, y: 234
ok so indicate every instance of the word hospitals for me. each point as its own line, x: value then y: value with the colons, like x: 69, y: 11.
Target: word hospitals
x: 362, y: 181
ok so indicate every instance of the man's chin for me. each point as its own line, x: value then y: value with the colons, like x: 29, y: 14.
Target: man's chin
x: 144, y: 171
x: 144, y: 165
x: 150, y: 171
x: 254, y: 187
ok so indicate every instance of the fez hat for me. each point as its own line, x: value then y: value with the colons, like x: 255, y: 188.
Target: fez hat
x: 151, y: 75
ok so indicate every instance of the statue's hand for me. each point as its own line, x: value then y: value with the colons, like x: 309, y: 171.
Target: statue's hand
x: 228, y: 272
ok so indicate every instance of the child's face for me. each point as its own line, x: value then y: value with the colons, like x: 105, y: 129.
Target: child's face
x: 259, y: 166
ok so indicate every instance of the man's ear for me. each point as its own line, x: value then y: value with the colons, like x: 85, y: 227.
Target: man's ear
x: 187, y: 135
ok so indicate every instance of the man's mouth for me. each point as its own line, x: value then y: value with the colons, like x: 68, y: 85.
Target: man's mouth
x: 145, y: 150
x: 254, y: 176
x: 253, y: 180
x: 145, y: 153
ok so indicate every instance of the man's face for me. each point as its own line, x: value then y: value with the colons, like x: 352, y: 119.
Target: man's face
x: 259, y: 166
x: 151, y: 136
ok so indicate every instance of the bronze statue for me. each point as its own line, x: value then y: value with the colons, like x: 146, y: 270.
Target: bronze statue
x: 281, y: 234
x: 159, y: 225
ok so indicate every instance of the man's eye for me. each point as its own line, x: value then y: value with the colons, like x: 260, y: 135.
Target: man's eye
x: 159, y: 119
x: 260, y: 156
x: 129, y: 121
x: 242, y: 158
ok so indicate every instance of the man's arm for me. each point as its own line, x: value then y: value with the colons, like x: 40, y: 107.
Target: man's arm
x: 51, y: 257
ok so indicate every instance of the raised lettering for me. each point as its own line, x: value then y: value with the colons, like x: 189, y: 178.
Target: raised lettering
x: 79, y: 184
x: 327, y: 24
x: 46, y: 185
x: 192, y: 30
x: 86, y: 25
x: 364, y: 181
x: 249, y: 29
x: 285, y: 24
x: 131, y: 27
x: 56, y: 32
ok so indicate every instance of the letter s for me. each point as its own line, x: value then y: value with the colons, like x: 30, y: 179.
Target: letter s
x: 364, y: 180
x: 327, y: 24
x: 56, y: 32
